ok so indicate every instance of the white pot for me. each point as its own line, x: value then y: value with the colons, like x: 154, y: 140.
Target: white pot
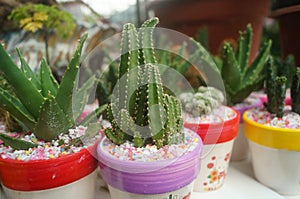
x: 215, y: 160
x: 80, y: 189
x: 240, y: 150
x: 183, y: 193
x: 276, y: 168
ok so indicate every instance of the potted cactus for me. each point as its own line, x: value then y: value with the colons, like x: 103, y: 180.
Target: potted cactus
x: 241, y: 79
x: 48, y: 158
x: 146, y: 141
x: 217, y: 125
x: 273, y: 133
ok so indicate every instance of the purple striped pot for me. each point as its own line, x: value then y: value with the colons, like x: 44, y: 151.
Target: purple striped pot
x: 159, y: 179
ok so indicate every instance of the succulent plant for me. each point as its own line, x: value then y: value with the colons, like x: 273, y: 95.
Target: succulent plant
x: 38, y: 102
x: 295, y: 92
x: 275, y: 88
x: 239, y: 78
x: 202, y: 102
x: 140, y: 112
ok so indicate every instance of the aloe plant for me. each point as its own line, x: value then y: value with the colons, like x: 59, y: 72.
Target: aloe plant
x: 38, y: 102
x: 239, y: 78
x: 140, y: 111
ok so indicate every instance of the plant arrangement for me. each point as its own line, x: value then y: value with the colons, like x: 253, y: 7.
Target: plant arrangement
x: 217, y: 125
x: 273, y: 130
x: 51, y: 138
x: 146, y: 124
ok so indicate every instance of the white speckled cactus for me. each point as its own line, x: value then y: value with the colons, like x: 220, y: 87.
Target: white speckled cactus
x: 202, y: 102
x: 140, y: 111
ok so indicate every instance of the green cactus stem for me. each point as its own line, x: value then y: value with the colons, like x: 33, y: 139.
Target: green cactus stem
x: 295, y: 92
x: 275, y: 88
x: 140, y: 111
x: 39, y: 103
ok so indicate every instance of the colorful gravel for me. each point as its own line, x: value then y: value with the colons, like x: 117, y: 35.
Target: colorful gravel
x: 219, y: 115
x: 262, y: 116
x: 151, y: 153
x: 44, y: 150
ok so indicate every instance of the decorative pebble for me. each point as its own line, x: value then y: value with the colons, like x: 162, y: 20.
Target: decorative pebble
x: 150, y: 153
x: 262, y: 116
x: 221, y: 114
x: 46, y: 150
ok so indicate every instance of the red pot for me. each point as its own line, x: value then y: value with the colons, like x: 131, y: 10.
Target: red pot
x: 215, y: 133
x: 36, y: 175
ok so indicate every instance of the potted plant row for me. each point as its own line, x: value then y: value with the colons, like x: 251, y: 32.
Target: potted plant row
x: 146, y: 142
x: 273, y: 134
x: 47, y: 158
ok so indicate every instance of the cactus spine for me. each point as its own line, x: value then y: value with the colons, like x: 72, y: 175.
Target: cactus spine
x: 140, y: 111
x: 276, y: 89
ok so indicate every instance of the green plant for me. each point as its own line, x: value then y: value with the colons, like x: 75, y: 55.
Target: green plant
x: 38, y: 102
x: 202, y: 102
x: 34, y: 17
x: 275, y: 88
x: 281, y: 75
x: 140, y: 111
x: 239, y: 78
x: 295, y: 92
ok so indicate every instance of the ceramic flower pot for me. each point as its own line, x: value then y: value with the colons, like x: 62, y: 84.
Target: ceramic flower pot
x: 275, y: 155
x: 169, y: 178
x: 218, y: 138
x: 222, y: 18
x: 68, y: 176
x: 240, y: 150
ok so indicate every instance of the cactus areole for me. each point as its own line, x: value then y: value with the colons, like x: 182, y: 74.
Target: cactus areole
x: 140, y: 111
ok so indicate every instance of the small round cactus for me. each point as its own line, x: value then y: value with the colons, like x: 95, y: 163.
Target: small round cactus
x: 202, y: 102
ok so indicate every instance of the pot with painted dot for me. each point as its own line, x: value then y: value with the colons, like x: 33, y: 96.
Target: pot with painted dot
x: 218, y: 132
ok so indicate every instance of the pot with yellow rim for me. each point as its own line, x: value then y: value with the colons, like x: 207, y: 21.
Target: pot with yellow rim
x: 275, y: 155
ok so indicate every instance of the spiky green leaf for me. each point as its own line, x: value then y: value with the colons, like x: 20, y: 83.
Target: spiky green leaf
x: 28, y: 72
x: 23, y: 87
x: 52, y: 121
x: 12, y: 104
x: 48, y: 82
x: 68, y: 83
x: 231, y: 72
x: 244, y: 48
x: 93, y: 116
x: 81, y: 96
x: 16, y: 143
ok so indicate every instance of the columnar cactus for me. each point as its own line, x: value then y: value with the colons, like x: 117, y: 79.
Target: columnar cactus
x: 239, y: 78
x: 140, y: 111
x: 295, y: 92
x: 38, y: 102
x: 275, y: 88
